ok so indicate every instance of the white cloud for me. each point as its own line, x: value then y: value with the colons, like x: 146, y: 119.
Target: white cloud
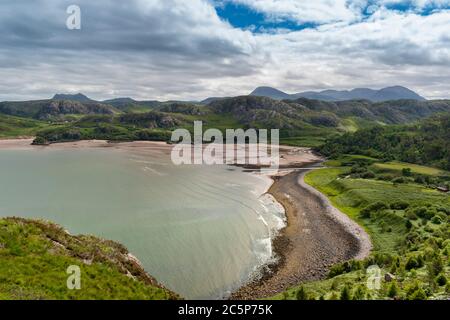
x: 175, y: 49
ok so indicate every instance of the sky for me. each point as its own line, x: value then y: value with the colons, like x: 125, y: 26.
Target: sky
x: 191, y: 50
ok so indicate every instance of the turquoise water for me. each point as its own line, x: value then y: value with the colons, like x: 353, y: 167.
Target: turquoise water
x: 200, y: 230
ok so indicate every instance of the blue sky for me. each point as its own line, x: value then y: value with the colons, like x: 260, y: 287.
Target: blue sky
x: 246, y: 15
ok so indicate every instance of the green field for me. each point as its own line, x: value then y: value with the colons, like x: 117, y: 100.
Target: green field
x: 11, y: 127
x: 409, y: 227
x: 398, y: 166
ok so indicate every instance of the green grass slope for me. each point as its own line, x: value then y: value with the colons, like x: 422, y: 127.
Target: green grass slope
x: 408, y: 223
x: 34, y: 257
x: 11, y: 127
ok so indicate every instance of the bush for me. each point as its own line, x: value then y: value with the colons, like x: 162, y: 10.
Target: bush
x: 419, y: 294
x: 386, y: 177
x: 393, y: 290
x: 374, y: 207
x: 399, y: 180
x: 436, y: 220
x: 301, y: 294
x: 40, y: 141
x: 419, y: 180
x: 408, y: 224
x: 368, y: 175
x: 399, y: 205
x: 441, y: 280
x: 359, y: 293
x: 424, y: 213
x: 411, y: 215
x: 435, y: 266
x: 345, y: 294
x: 407, y: 172
x: 414, y: 263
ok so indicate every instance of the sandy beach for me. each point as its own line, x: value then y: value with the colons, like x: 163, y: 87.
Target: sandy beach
x: 317, y: 235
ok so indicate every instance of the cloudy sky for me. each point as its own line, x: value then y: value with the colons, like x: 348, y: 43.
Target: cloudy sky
x: 190, y: 50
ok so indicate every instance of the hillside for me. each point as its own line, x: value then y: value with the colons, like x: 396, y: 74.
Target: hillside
x: 53, y: 109
x: 108, y: 270
x: 301, y: 121
x: 427, y: 142
x: 407, y: 220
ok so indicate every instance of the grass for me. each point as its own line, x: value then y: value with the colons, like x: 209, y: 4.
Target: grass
x: 11, y: 127
x: 394, y: 243
x: 398, y: 166
x: 35, y: 256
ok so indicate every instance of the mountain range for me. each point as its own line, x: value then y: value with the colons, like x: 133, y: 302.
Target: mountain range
x: 385, y: 94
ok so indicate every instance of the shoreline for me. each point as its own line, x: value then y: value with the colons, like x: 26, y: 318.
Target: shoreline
x: 305, y: 249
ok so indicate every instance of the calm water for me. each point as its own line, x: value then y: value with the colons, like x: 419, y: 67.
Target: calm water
x: 200, y: 230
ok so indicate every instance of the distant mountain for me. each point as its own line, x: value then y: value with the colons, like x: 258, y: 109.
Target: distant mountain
x: 395, y: 93
x: 385, y: 94
x: 54, y: 109
x: 119, y: 101
x: 72, y: 97
x: 271, y: 93
x: 211, y: 99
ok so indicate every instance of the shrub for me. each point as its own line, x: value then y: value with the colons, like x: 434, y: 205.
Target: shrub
x: 408, y: 224
x: 436, y: 220
x: 393, y: 290
x: 399, y: 205
x: 368, y: 175
x: 399, y: 180
x: 424, y: 213
x: 359, y: 293
x: 414, y: 263
x: 441, y: 280
x: 374, y: 207
x: 40, y: 141
x: 301, y: 294
x: 419, y: 180
x: 411, y: 215
x: 407, y: 172
x: 345, y: 293
x: 435, y: 266
x: 419, y: 294
x: 386, y: 177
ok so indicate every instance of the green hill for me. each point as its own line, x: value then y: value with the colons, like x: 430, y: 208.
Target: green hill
x: 426, y: 142
x: 108, y: 271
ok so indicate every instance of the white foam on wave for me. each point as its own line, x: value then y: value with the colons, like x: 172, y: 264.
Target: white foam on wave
x: 272, y: 214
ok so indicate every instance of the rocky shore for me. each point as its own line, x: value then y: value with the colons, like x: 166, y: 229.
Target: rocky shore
x: 317, y: 236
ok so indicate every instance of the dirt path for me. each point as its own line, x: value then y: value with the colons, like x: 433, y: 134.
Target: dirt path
x: 317, y: 236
